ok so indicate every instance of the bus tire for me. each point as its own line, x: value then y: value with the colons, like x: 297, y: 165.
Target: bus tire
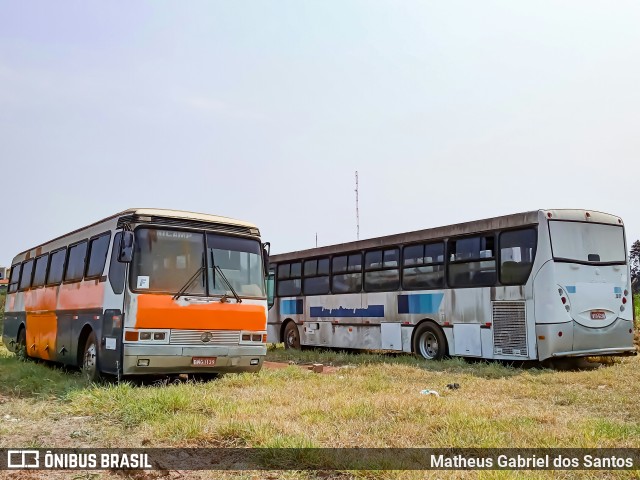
x: 89, y: 365
x: 291, y: 336
x: 205, y: 377
x: 429, y: 342
x: 21, y: 345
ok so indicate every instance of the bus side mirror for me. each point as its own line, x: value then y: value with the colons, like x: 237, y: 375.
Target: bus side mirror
x: 125, y: 255
x: 266, y: 249
x: 271, y: 282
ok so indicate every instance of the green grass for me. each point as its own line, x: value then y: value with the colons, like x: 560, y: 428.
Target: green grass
x: 3, y: 298
x: 369, y: 400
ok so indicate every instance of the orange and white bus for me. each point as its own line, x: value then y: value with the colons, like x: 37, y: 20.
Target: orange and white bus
x: 145, y: 291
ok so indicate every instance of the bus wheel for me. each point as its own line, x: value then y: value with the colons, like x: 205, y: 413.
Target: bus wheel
x: 90, y: 359
x: 291, y: 336
x: 205, y: 377
x: 21, y: 348
x: 429, y: 342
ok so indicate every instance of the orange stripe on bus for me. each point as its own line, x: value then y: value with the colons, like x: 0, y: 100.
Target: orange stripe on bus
x: 41, y: 299
x: 161, y: 311
x: 41, y: 332
x: 81, y: 295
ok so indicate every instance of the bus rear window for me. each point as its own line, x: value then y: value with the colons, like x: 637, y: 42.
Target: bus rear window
x: 583, y: 242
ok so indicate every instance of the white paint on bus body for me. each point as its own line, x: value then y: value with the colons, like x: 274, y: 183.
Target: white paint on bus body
x: 528, y: 321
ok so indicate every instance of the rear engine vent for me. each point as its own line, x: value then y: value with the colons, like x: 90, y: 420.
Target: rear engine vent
x: 510, y: 329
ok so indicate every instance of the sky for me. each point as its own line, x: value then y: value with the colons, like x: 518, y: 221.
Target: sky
x: 263, y: 111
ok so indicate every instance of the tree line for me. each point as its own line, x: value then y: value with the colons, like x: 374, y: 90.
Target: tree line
x: 634, y: 264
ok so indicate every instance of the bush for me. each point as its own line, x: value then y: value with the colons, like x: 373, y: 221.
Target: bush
x: 3, y: 297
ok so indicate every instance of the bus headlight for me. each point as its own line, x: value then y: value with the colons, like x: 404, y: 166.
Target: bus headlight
x: 153, y: 337
x: 252, y: 338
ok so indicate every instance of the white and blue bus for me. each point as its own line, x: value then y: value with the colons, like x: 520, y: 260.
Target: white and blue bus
x: 528, y: 286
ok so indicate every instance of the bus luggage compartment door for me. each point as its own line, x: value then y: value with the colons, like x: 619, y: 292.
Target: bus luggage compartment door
x: 466, y: 338
x: 391, y: 336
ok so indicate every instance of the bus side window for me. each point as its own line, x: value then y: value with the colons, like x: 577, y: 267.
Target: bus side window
x: 517, y: 250
x: 289, y: 279
x: 423, y: 266
x: 316, y: 277
x: 55, y: 270
x: 381, y: 270
x: 27, y: 275
x: 98, y: 248
x: 40, y: 273
x: 15, y: 277
x: 472, y: 262
x: 76, y: 262
x: 350, y: 282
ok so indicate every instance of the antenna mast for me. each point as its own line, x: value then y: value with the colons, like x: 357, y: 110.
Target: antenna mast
x: 357, y: 211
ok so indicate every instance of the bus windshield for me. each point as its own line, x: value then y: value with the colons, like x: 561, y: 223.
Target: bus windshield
x: 166, y: 261
x: 238, y: 262
x: 591, y: 243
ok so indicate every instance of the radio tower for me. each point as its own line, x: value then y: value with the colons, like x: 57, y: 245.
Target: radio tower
x: 357, y: 211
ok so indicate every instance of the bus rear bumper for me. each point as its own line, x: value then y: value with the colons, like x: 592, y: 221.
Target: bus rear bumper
x: 621, y: 352
x: 165, y: 359
x: 571, y: 339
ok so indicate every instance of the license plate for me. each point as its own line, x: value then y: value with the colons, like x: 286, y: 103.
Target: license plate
x: 203, y: 361
x: 598, y: 316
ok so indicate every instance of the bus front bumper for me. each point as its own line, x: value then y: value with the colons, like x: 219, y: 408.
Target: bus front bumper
x: 175, y: 359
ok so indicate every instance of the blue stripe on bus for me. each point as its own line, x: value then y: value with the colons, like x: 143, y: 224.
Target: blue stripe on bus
x: 291, y: 307
x: 617, y: 289
x: 571, y: 288
x: 420, y: 303
x: 341, y: 312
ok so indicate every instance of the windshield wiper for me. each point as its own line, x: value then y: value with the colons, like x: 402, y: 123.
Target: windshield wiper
x: 188, y: 284
x: 226, y: 280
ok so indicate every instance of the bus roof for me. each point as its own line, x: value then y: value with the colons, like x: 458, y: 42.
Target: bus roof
x: 152, y: 212
x: 466, y: 228
x: 203, y: 217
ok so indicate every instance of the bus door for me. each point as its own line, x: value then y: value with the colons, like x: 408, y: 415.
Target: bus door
x: 113, y: 317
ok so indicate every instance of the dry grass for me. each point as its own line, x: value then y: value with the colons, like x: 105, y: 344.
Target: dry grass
x: 370, y: 401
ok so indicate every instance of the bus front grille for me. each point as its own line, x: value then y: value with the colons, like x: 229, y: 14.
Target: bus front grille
x: 204, y: 337
x: 509, y: 329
